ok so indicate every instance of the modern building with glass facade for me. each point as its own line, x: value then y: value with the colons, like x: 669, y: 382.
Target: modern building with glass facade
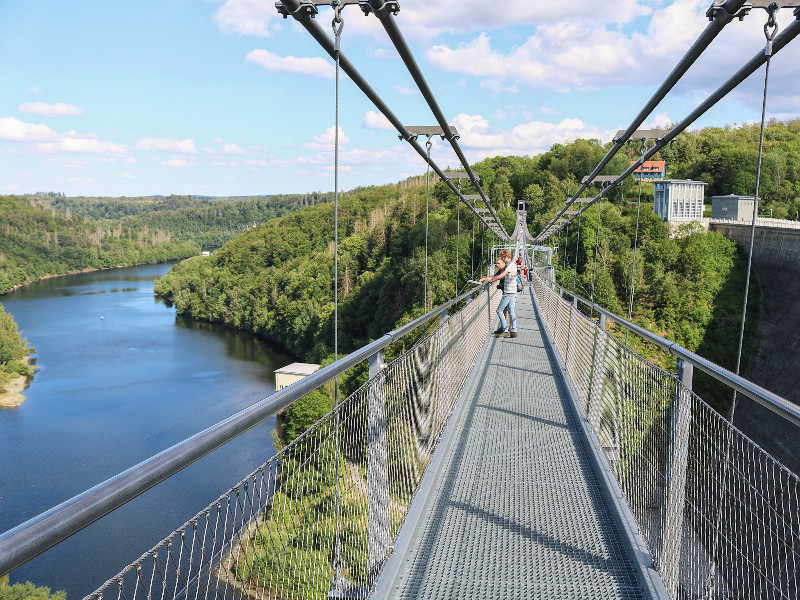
x: 679, y: 200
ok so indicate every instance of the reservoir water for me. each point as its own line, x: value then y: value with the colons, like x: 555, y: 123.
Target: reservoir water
x: 121, y: 378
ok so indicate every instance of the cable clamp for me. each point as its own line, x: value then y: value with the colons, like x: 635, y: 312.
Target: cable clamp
x: 337, y: 23
x: 717, y: 9
x: 305, y: 8
x: 389, y: 6
x: 771, y: 26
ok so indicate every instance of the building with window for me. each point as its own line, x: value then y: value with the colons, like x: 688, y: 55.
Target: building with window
x: 294, y: 372
x: 651, y: 169
x: 732, y: 207
x: 678, y: 200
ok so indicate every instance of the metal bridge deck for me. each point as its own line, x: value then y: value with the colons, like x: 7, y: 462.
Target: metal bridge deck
x: 513, y: 505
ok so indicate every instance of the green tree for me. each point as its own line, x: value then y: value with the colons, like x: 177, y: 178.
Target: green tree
x: 28, y: 591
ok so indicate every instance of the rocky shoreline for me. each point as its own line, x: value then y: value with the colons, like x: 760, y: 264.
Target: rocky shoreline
x: 11, y: 395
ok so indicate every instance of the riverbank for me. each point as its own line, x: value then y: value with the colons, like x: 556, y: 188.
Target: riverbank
x: 81, y: 271
x: 11, y: 395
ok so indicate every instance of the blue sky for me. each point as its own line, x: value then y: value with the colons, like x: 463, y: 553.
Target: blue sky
x: 223, y: 97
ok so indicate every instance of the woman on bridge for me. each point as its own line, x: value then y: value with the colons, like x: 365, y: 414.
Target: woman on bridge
x: 508, y: 273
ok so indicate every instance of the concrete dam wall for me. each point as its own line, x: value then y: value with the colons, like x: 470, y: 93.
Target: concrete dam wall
x: 775, y: 359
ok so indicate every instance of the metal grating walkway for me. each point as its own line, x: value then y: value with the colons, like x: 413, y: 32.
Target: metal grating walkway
x: 513, y: 506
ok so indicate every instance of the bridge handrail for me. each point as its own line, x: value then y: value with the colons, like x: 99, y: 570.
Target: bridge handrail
x: 718, y: 513
x: 33, y: 537
x: 764, y: 397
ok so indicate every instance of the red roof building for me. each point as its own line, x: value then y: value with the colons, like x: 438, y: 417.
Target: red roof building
x: 651, y: 169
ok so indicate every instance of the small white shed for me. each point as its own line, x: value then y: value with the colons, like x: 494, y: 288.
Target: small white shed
x: 294, y: 372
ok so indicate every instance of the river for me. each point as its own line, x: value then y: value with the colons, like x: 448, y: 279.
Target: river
x: 120, y: 378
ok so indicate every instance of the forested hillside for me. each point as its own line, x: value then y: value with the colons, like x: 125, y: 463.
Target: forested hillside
x: 36, y: 241
x: 210, y: 222
x: 14, y: 350
x: 276, y: 279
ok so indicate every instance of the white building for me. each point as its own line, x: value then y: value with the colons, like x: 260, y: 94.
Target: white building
x: 678, y: 200
x: 294, y: 372
x: 733, y: 207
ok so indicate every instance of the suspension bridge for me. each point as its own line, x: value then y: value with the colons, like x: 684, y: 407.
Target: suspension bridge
x: 559, y: 464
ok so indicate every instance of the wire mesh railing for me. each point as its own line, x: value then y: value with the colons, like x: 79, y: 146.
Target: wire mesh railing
x: 318, y: 519
x: 721, y: 517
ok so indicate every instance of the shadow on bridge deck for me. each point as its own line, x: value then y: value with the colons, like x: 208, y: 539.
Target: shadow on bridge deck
x: 513, y: 505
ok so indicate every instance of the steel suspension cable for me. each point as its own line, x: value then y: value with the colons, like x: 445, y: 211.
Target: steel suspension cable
x: 596, y: 248
x: 472, y: 253
x: 770, y: 35
x: 770, y: 31
x: 302, y: 14
x: 385, y: 12
x: 635, y: 243
x: 780, y: 42
x: 577, y: 245
x: 719, y: 19
x: 428, y: 145
x: 338, y: 25
x: 458, y: 235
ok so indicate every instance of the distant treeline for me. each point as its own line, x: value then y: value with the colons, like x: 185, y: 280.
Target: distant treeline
x: 36, y: 241
x: 210, y: 222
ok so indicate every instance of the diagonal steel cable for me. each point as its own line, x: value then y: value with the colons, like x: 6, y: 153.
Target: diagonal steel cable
x: 719, y: 20
x: 780, y: 42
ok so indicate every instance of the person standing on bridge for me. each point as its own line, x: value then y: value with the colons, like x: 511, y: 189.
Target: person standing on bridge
x: 506, y: 256
x: 508, y: 273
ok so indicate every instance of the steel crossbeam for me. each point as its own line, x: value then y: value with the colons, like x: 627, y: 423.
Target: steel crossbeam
x: 719, y: 20
x: 295, y: 9
x: 780, y: 42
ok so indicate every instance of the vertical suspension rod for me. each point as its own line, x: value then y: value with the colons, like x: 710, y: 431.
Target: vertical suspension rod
x: 790, y: 33
x: 720, y: 20
x: 316, y: 31
x: 381, y: 10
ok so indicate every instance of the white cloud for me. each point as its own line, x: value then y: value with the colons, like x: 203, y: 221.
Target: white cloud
x: 315, y: 66
x: 527, y: 138
x: 127, y: 176
x: 59, y: 109
x: 78, y: 163
x: 325, y: 142
x: 81, y: 180
x: 562, y: 57
x: 592, y: 50
x: 178, y: 162
x: 167, y: 145
x: 406, y: 91
x: 246, y: 17
x: 18, y: 131
x: 375, y: 120
x: 429, y: 19
x: 81, y: 145
x: 658, y: 121
x: 497, y: 87
x: 256, y: 163
x: 228, y: 148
